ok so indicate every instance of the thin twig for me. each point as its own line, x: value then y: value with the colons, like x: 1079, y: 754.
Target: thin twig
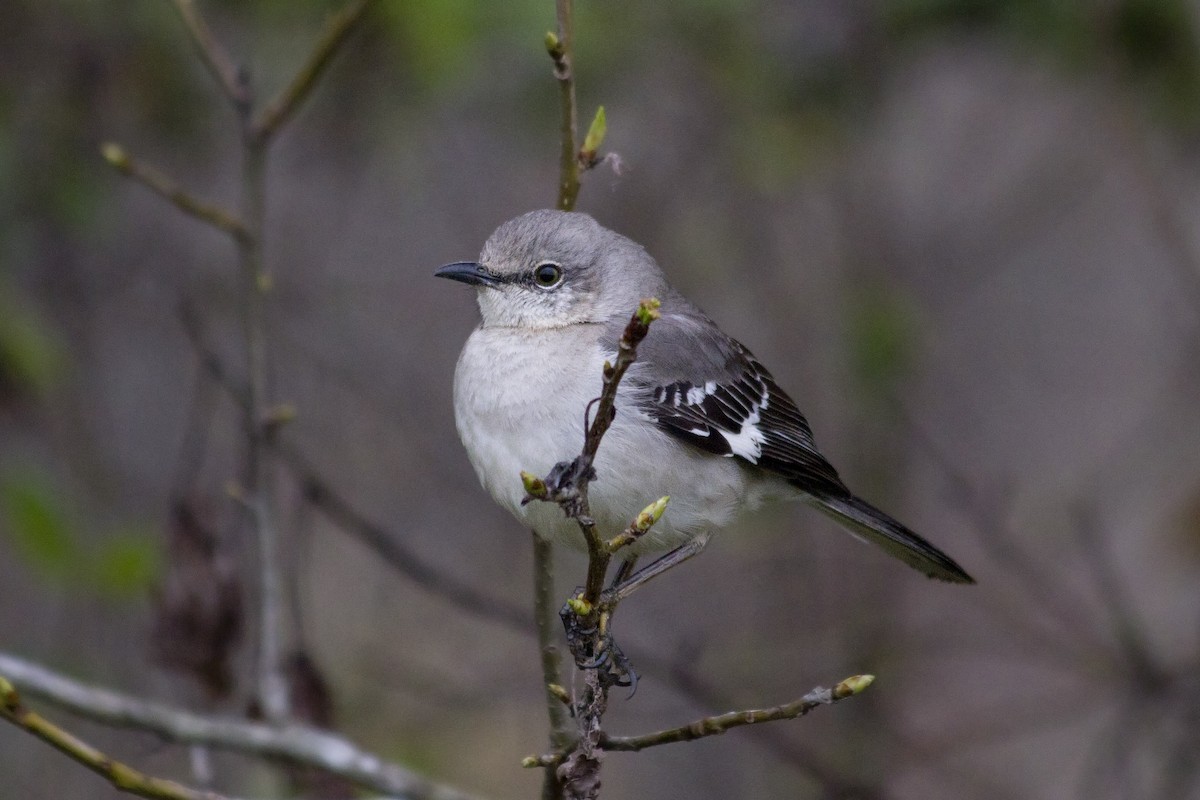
x: 570, y: 490
x: 218, y: 62
x: 295, y: 744
x: 283, y: 105
x: 716, y: 725
x: 562, y: 51
x: 391, y: 548
x: 162, y: 185
x: 121, y: 776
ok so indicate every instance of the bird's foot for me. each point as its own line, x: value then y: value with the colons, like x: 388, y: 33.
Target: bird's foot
x: 563, y: 481
x: 590, y: 640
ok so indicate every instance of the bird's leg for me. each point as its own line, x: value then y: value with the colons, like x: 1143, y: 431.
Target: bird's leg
x: 630, y: 584
x: 623, y: 571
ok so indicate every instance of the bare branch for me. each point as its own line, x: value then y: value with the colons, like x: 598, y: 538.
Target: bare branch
x: 283, y: 105
x: 296, y: 744
x: 716, y: 725
x: 121, y: 776
x: 562, y: 50
x: 159, y: 183
x: 219, y: 64
x: 327, y: 498
x: 545, y: 607
x: 390, y: 547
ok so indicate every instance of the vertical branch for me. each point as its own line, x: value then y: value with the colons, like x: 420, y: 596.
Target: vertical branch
x: 560, y: 46
x: 257, y: 135
x: 562, y: 49
x: 269, y: 678
x: 545, y: 618
x: 544, y: 603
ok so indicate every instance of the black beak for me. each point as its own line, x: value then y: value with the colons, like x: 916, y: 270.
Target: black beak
x: 468, y: 272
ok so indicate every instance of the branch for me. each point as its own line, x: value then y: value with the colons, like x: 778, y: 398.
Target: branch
x: 561, y: 47
x: 544, y: 605
x: 296, y: 744
x: 324, y: 496
x: 391, y: 549
x: 123, y: 777
x: 578, y: 776
x: 567, y: 484
x: 159, y: 183
x: 716, y: 725
x: 283, y: 105
x: 220, y: 65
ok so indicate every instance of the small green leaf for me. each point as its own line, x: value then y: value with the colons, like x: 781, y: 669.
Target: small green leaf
x: 30, y: 353
x: 127, y: 565
x: 37, y: 524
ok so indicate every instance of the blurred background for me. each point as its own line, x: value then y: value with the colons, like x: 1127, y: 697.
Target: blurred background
x: 963, y: 235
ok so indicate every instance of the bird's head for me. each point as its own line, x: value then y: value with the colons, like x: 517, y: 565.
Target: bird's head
x: 550, y: 269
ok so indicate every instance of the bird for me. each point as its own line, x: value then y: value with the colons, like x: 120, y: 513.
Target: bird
x: 698, y: 416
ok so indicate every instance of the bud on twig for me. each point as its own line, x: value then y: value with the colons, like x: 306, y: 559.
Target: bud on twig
x: 114, y: 154
x: 535, y: 487
x: 593, y: 140
x: 852, y: 686
x: 580, y: 606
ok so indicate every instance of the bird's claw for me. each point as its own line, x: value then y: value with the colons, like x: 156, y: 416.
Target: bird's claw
x: 593, y: 648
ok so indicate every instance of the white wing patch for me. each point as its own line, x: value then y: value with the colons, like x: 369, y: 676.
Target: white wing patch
x: 748, y: 441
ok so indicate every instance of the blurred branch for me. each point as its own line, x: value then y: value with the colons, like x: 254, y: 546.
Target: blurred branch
x: 1147, y: 674
x: 544, y: 605
x: 716, y: 725
x: 323, y: 495
x: 159, y: 183
x: 389, y: 547
x: 281, y: 108
x: 1054, y: 600
x: 123, y: 777
x: 220, y: 65
x: 296, y: 744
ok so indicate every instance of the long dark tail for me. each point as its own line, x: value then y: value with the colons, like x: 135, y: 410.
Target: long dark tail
x: 864, y: 520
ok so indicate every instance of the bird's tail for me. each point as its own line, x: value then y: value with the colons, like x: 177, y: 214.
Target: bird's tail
x: 864, y: 520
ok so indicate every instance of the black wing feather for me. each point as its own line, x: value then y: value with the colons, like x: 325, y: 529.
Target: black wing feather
x: 742, y: 413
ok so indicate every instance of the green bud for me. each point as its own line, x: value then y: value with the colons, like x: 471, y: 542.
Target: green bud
x: 115, y: 155
x: 534, y: 486
x: 595, y: 136
x: 580, y: 606
x: 651, y: 514
x: 647, y: 310
x: 852, y: 686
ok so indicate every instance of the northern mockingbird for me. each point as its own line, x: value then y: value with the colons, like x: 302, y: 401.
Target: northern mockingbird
x: 698, y: 417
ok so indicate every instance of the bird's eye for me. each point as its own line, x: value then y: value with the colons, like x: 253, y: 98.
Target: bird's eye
x: 548, y: 275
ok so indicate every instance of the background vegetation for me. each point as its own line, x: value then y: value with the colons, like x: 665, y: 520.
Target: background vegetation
x: 961, y: 233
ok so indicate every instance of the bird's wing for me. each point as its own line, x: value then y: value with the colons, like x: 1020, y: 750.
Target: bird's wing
x: 698, y: 384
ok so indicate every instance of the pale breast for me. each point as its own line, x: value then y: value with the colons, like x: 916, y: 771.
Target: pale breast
x: 519, y: 401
